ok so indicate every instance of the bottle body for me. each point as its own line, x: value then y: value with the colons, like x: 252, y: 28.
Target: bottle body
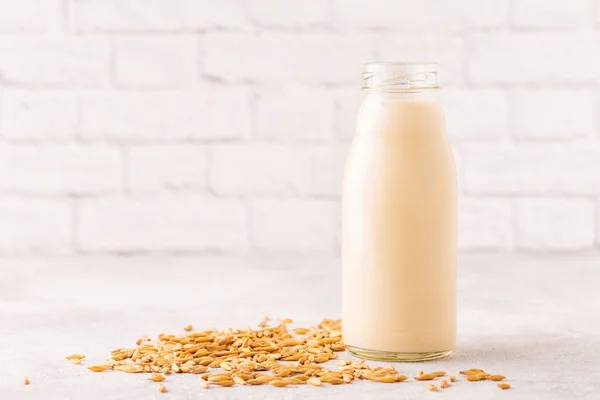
x: 399, y: 231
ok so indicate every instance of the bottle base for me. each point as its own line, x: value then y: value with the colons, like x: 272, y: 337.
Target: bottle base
x: 378, y: 355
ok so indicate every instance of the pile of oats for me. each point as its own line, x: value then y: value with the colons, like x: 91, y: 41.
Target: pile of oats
x: 264, y: 356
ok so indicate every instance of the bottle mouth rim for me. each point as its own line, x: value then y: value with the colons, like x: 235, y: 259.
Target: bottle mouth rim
x: 423, y: 63
x: 400, y: 76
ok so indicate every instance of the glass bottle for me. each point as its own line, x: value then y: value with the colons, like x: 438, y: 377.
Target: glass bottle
x: 399, y: 220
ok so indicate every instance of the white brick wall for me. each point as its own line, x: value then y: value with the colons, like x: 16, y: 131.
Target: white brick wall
x: 282, y: 57
x: 38, y: 115
x: 552, y: 113
x: 424, y: 15
x: 328, y: 169
x: 141, y: 126
x: 38, y: 16
x: 553, y: 14
x: 447, y: 50
x: 154, y: 169
x: 531, y: 168
x: 259, y: 169
x: 169, y: 61
x: 541, y: 58
x: 35, y: 225
x: 295, y: 115
x: 484, y: 224
x: 165, y: 223
x: 555, y: 224
x: 276, y: 13
x: 347, y: 103
x: 154, y: 15
x: 54, y: 60
x: 490, y: 113
x: 68, y: 169
x: 219, y: 113
x: 293, y: 225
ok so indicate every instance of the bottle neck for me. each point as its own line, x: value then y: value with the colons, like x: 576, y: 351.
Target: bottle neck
x: 400, y: 77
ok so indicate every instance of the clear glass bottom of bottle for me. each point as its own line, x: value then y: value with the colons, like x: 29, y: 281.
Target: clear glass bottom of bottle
x: 378, y: 355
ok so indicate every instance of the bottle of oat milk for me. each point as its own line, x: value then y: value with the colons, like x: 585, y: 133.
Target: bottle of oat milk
x: 399, y: 220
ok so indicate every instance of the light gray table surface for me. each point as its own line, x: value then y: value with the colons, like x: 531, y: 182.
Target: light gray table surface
x: 535, y: 320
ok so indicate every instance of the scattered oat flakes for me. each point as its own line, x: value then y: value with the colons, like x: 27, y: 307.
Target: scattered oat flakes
x: 198, y: 369
x: 161, y: 388
x: 471, y: 371
x: 25, y: 381
x: 263, y: 323
x: 239, y: 380
x: 268, y: 355
x: 142, y: 339
x: 100, y: 368
x: 314, y: 381
x: 476, y: 377
x: 75, y: 357
x: 156, y: 378
x: 503, y: 386
x: 432, y: 387
x: 425, y: 377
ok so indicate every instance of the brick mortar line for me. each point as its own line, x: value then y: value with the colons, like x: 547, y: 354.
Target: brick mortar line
x: 75, y: 223
x: 251, y: 251
x: 597, y: 223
